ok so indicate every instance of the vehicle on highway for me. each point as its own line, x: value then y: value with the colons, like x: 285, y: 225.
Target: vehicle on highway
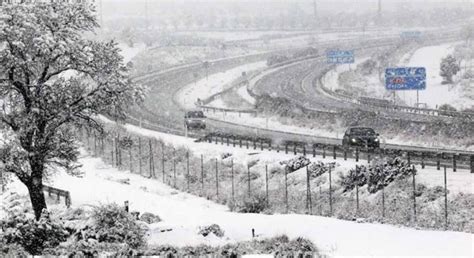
x: 361, y: 137
x: 195, y: 119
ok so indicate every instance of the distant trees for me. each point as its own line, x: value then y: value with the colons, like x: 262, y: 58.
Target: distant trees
x: 449, y: 67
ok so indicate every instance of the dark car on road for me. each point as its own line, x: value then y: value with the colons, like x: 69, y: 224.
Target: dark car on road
x: 195, y: 120
x: 361, y: 137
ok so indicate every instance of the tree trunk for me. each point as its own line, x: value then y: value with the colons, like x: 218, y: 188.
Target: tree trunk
x: 35, y: 189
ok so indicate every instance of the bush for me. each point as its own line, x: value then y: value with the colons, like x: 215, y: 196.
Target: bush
x: 150, y: 218
x: 33, y: 236
x: 294, y: 164
x: 112, y: 224
x: 214, y: 229
x: 376, y: 176
x: 318, y: 168
x: 256, y: 204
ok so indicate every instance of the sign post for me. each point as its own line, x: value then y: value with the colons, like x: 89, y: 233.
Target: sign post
x: 406, y: 78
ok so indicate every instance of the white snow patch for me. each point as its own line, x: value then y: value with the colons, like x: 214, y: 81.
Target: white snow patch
x: 215, y: 83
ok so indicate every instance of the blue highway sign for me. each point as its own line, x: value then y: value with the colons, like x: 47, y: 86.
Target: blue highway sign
x: 340, y: 57
x: 405, y: 78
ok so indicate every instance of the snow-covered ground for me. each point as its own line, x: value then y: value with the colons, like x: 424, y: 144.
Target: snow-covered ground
x: 185, y: 213
x: 436, y: 94
x: 215, y: 83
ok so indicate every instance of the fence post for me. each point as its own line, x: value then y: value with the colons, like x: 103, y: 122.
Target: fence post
x: 308, y: 192
x: 202, y: 174
x: 294, y: 149
x: 163, y: 160
x: 368, y: 158
x: 130, y: 158
x: 345, y: 154
x: 227, y: 140
x: 187, y: 169
x: 247, y: 143
x: 383, y: 197
x: 261, y: 144
x: 240, y: 143
x: 314, y: 151
x: 233, y: 141
x: 334, y: 151
x: 423, y: 160
x: 472, y: 163
x: 330, y: 193
x: 286, y: 148
x: 266, y: 185
x: 324, y: 151
x: 151, y: 158
x: 232, y: 175
x: 304, y: 150
x: 119, y: 152
x: 95, y: 143
x: 454, y: 162
x: 438, y: 161
x: 414, y: 195
x: 112, y: 152
x: 254, y: 144
x: 217, y: 180
x: 409, y: 158
x: 320, y: 199
x: 357, y: 190
x: 248, y: 180
x: 286, y: 190
x: 445, y: 200
x: 174, y: 170
x: 140, y: 155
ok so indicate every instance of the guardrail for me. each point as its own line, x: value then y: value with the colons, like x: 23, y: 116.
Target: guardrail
x: 59, y: 193
x: 207, y: 109
x: 423, y: 158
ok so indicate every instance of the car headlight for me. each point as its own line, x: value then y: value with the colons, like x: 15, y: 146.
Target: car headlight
x: 354, y: 140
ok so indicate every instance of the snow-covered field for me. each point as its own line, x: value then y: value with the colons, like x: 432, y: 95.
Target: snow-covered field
x: 184, y: 214
x: 436, y: 94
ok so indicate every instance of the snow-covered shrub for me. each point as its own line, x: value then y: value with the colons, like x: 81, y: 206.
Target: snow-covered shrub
x: 226, y: 155
x: 150, y: 218
x: 112, y: 224
x: 376, y: 176
x: 34, y: 236
x: 257, y: 203
x: 294, y: 164
x: 433, y: 193
x: 318, y: 168
x: 211, y: 229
